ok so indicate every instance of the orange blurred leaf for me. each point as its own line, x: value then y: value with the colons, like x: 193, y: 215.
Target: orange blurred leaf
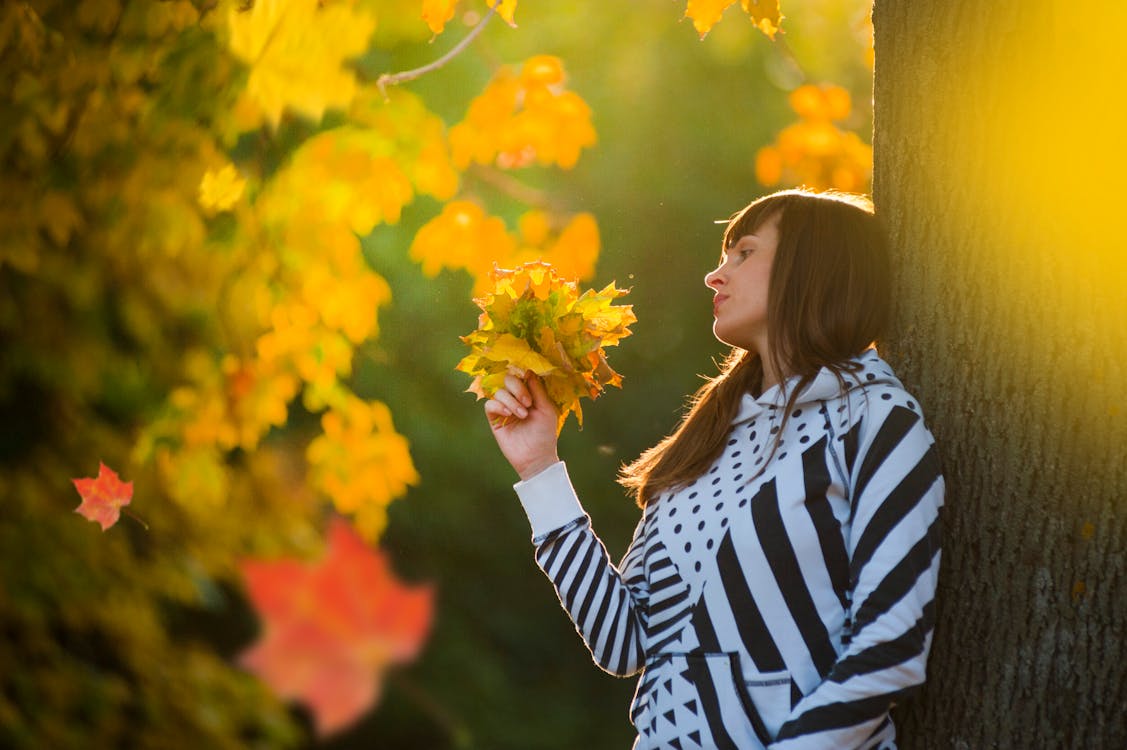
x: 333, y: 627
x: 104, y: 497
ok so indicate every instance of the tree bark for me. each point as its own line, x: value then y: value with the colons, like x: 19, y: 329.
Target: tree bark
x: 1000, y: 131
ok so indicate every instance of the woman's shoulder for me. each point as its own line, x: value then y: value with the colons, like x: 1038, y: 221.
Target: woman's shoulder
x: 874, y: 393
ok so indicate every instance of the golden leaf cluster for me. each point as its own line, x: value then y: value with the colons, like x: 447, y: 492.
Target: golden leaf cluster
x: 814, y: 151
x: 361, y: 462
x: 290, y: 285
x: 258, y: 257
x: 524, y: 118
x: 463, y: 236
x: 533, y: 320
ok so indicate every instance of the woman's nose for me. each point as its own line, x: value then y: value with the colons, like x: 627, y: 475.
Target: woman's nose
x: 713, y: 279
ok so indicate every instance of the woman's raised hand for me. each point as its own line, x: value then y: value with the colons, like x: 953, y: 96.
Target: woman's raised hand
x: 524, y: 420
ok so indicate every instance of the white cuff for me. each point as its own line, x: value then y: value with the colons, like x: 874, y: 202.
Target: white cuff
x: 549, y: 499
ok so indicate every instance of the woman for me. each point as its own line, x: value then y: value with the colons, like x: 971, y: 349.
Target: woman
x: 779, y: 589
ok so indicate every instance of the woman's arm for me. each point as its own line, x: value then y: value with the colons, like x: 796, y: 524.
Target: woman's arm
x: 893, y: 546
x: 606, y: 603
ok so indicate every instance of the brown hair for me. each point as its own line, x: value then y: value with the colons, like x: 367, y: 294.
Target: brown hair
x: 827, y: 301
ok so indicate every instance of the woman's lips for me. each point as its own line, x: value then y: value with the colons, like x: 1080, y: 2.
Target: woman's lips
x: 716, y: 302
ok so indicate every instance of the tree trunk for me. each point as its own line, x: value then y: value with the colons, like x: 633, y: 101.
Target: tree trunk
x: 1000, y: 132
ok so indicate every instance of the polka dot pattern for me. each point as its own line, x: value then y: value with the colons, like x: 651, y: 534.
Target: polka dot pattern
x: 765, y: 441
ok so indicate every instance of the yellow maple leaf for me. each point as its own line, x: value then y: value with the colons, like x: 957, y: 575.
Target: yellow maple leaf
x: 437, y: 12
x: 705, y: 13
x: 220, y: 189
x: 296, y: 51
x: 506, y: 9
x: 534, y: 319
x: 765, y: 14
x: 517, y: 352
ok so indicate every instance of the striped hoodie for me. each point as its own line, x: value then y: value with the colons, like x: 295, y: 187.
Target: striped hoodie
x: 785, y: 598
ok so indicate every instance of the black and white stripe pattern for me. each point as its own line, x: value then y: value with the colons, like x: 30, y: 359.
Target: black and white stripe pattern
x: 785, y: 599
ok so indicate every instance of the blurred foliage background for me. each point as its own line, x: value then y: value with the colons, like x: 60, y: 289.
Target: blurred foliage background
x: 116, y: 282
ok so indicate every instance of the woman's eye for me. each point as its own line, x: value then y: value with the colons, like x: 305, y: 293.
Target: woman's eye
x: 735, y: 255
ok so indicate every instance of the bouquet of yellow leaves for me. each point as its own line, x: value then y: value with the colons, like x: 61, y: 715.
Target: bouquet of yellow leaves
x: 534, y: 320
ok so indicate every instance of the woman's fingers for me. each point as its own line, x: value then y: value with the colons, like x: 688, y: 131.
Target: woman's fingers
x: 519, y: 389
x: 518, y: 399
x: 537, y: 392
x: 494, y: 409
x: 509, y: 403
x: 498, y: 415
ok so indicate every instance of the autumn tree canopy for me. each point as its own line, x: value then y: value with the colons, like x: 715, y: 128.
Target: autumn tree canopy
x: 194, y: 284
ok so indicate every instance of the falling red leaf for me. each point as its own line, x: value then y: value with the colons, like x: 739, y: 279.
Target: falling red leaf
x: 104, y: 497
x: 331, y: 628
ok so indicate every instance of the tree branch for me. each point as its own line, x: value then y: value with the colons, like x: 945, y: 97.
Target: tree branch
x: 394, y: 79
x: 511, y: 186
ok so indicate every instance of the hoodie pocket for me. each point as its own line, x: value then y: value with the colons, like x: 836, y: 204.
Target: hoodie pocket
x: 710, y: 699
x: 766, y: 697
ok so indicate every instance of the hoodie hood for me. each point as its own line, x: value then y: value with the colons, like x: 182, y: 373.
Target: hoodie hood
x: 825, y: 385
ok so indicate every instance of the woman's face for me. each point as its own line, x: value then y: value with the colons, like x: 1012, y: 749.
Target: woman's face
x: 740, y: 284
